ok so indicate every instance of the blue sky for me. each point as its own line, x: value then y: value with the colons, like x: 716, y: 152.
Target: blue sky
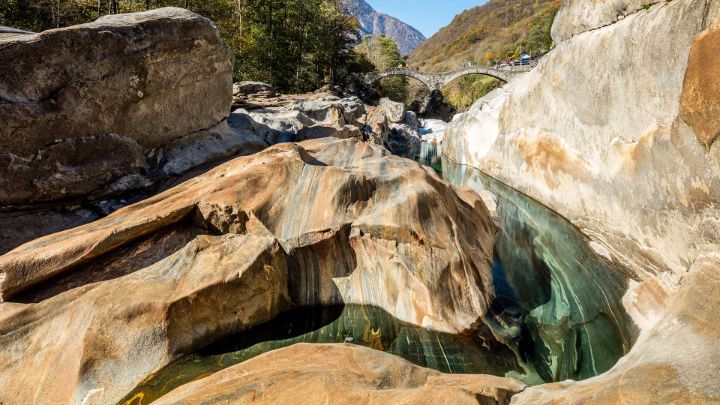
x: 428, y: 16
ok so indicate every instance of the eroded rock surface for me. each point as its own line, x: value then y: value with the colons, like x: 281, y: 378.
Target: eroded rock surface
x: 362, y: 227
x: 674, y: 362
x: 578, y: 16
x: 609, y: 131
x: 72, y: 125
x: 315, y: 373
x: 94, y: 343
x: 615, y: 130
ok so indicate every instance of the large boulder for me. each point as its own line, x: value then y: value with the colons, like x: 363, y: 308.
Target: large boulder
x: 361, y: 226
x: 394, y: 111
x: 617, y: 131
x: 93, y: 336
x: 613, y: 130
x: 348, y: 374
x: 80, y: 106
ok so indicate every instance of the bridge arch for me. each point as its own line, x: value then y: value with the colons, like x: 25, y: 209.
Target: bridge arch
x: 437, y: 81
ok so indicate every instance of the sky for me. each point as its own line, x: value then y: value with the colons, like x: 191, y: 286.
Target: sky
x: 428, y: 16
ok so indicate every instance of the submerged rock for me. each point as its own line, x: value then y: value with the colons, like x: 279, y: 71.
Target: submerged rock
x: 674, y: 362
x: 315, y: 373
x: 105, y: 93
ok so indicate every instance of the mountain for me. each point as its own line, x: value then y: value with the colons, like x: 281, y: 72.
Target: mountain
x: 487, y: 33
x: 372, y: 22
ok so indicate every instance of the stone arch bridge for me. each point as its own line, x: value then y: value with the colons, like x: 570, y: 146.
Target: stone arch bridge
x: 436, y: 81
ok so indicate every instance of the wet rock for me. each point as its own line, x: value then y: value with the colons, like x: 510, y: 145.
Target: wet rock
x: 615, y: 131
x: 99, y: 79
x: 674, y: 362
x: 359, y: 375
x: 360, y: 227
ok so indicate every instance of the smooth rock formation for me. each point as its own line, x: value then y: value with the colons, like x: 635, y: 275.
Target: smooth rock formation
x: 250, y: 87
x: 616, y: 131
x: 360, y: 226
x: 315, y: 373
x: 609, y: 131
x: 578, y: 16
x: 677, y: 361
x: 105, y: 94
x: 433, y: 130
x: 95, y: 342
x: 468, y: 353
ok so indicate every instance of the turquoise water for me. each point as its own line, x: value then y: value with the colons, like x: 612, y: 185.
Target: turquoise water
x: 567, y: 297
x: 557, y: 313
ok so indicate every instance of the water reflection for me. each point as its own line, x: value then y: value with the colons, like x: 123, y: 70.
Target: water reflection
x: 428, y: 154
x: 364, y: 325
x: 567, y: 297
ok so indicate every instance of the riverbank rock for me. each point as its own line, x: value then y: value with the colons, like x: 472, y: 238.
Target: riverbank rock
x: 95, y: 334
x: 616, y: 131
x: 105, y: 94
x: 360, y: 226
x: 301, y: 374
x: 675, y: 362
x: 578, y: 134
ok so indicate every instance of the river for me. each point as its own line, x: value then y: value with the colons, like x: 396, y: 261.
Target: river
x: 557, y: 313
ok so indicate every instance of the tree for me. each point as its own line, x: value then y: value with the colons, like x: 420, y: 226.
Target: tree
x: 384, y: 54
x: 296, y: 45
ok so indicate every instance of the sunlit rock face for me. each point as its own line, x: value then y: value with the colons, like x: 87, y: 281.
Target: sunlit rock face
x: 317, y: 373
x: 360, y: 227
x: 609, y: 130
x: 94, y: 343
x: 615, y: 130
x: 578, y: 16
x: 82, y: 105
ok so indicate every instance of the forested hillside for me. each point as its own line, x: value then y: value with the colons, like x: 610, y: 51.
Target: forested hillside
x: 486, y: 34
x: 296, y: 45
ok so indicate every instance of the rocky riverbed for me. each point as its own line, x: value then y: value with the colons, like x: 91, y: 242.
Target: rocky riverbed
x: 170, y: 236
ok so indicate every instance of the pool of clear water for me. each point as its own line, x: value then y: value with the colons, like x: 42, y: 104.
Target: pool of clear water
x: 557, y: 313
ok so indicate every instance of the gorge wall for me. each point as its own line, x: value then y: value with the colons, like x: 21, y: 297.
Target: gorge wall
x: 615, y: 129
